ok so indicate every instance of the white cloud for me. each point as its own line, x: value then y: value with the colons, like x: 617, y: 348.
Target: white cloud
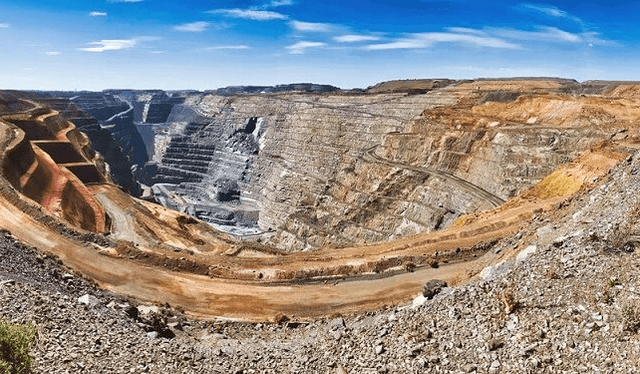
x: 505, y: 38
x: 199, y: 26
x: 551, y: 34
x: 400, y: 44
x: 110, y: 45
x: 466, y: 30
x: 300, y: 47
x: 352, y: 38
x: 427, y: 39
x: 221, y: 47
x: 53, y: 53
x: 546, y: 9
x: 98, y: 14
x: 593, y: 38
x: 4, y: 25
x: 156, y: 52
x: 551, y: 11
x: 312, y: 26
x: 277, y: 3
x: 256, y: 15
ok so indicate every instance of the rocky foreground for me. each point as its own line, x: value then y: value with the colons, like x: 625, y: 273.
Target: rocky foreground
x: 569, y: 302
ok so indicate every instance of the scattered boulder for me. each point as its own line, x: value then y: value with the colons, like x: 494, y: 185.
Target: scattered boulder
x: 494, y: 344
x: 337, y: 324
x: 8, y: 282
x: 147, y: 310
x: 88, y: 300
x: 433, y: 287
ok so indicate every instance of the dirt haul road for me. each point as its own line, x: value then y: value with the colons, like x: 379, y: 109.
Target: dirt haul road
x: 204, y: 297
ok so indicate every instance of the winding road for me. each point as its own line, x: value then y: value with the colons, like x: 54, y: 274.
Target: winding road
x: 495, y: 201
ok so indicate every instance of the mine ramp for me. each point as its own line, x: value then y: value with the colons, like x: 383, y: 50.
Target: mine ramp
x: 466, y: 185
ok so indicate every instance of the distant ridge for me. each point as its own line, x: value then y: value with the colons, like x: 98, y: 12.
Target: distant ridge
x: 294, y: 87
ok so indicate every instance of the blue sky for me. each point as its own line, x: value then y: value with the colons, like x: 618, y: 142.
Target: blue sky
x: 198, y: 44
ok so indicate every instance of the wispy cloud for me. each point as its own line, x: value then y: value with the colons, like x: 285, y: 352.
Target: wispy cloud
x: 546, y: 9
x: 466, y: 30
x: 312, y: 26
x: 404, y: 43
x: 252, y: 14
x: 593, y: 38
x: 300, y: 47
x: 98, y: 14
x: 549, y: 34
x: 222, y: 47
x: 278, y: 3
x: 110, y: 45
x: 427, y: 39
x: 551, y: 11
x: 586, y: 36
x: 53, y: 53
x: 353, y: 38
x: 199, y: 26
x: 4, y: 25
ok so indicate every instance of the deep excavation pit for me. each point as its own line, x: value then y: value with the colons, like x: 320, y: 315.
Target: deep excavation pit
x: 329, y: 202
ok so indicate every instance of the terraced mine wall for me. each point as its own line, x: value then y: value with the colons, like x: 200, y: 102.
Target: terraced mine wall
x: 35, y: 166
x: 98, y: 138
x: 333, y: 168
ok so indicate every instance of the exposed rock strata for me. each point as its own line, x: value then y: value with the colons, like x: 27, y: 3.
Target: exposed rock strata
x: 335, y: 168
x: 104, y: 139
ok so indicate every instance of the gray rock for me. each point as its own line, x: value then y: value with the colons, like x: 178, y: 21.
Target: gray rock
x: 146, y: 310
x: 433, y: 287
x: 89, y: 300
x: 454, y: 313
x: 470, y: 368
x: 337, y: 323
x: 8, y: 282
x: 494, y: 344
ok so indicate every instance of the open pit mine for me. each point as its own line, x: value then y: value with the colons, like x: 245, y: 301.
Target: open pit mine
x: 302, y: 201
